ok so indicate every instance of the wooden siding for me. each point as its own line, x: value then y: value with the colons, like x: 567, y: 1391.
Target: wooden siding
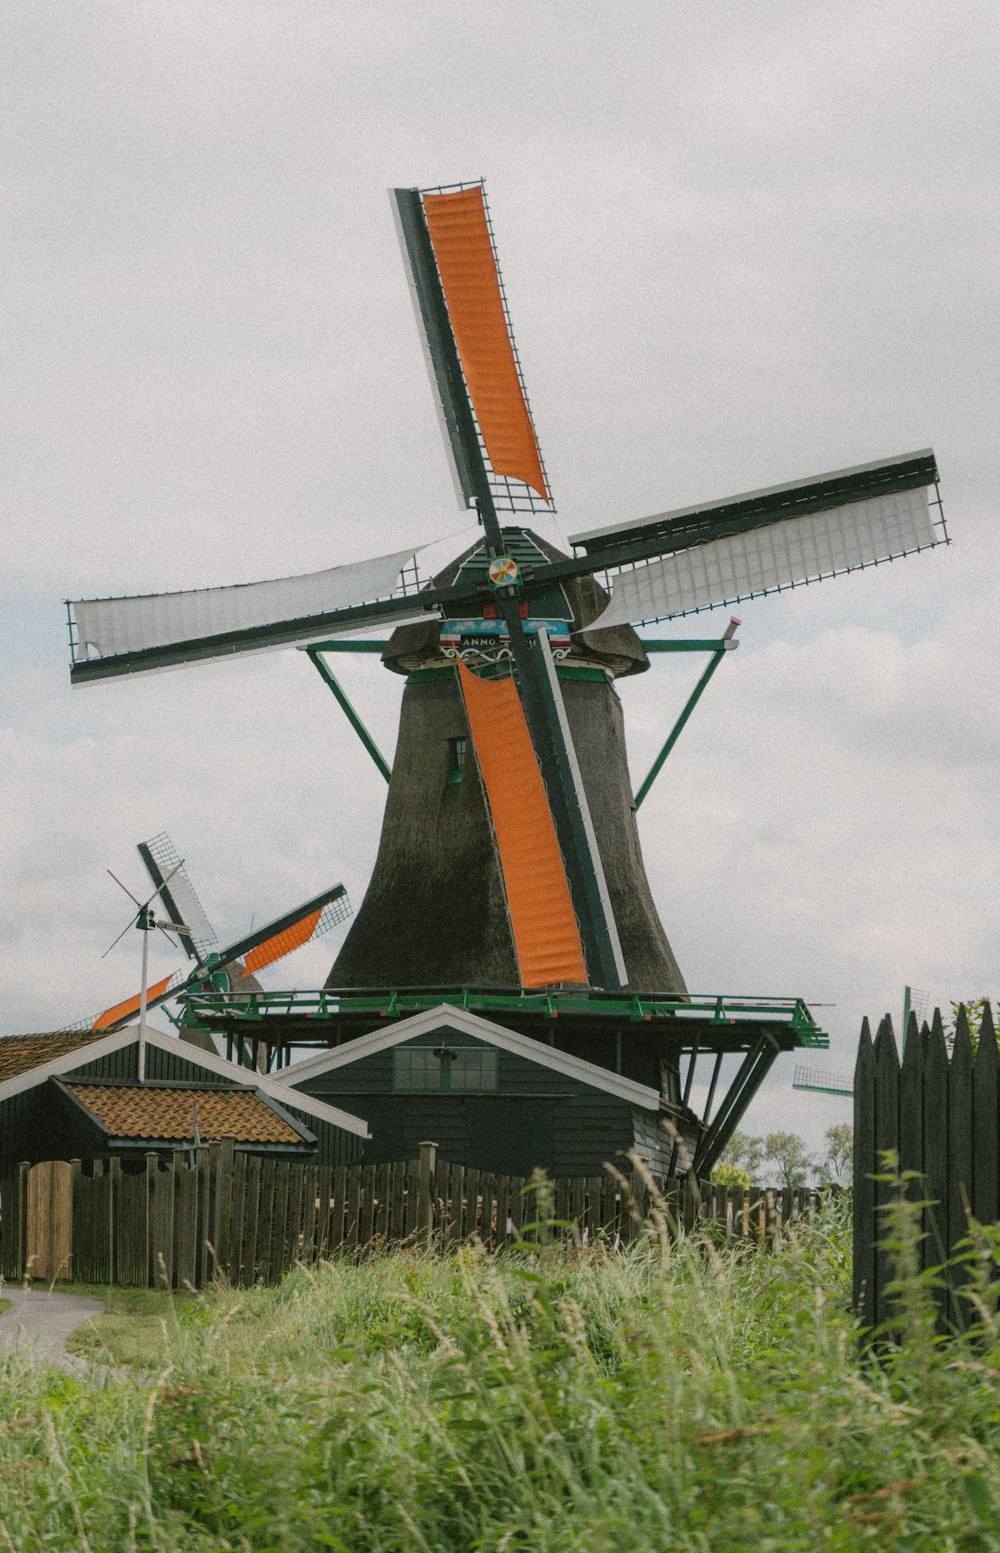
x: 372, y: 1074
x: 166, y: 1066
x: 334, y: 1145
x: 535, y: 1117
x: 40, y: 1124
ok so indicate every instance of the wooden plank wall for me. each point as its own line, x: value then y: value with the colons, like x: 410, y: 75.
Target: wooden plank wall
x: 936, y: 1113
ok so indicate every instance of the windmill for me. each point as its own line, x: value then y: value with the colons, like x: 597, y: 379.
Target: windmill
x: 510, y: 655
x: 219, y: 973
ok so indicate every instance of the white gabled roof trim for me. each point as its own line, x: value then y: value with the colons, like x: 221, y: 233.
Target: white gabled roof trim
x: 89, y: 1051
x: 461, y: 1020
x: 271, y: 1086
x: 93, y: 1051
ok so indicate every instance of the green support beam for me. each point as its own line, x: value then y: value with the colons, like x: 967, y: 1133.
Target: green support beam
x: 327, y: 675
x: 718, y: 650
x: 685, y: 644
x: 344, y: 644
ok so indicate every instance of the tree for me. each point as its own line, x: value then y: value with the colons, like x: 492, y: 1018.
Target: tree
x: 976, y: 1010
x: 746, y: 1152
x: 789, y: 1153
x: 726, y: 1174
x: 838, y: 1162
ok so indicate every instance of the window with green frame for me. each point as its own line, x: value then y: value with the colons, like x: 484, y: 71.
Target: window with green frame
x: 456, y: 759
x: 422, y: 1070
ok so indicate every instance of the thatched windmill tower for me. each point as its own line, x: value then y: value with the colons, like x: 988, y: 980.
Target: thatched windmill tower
x: 436, y: 909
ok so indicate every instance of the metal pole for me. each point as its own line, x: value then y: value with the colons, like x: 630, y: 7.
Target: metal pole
x: 692, y: 702
x: 144, y: 929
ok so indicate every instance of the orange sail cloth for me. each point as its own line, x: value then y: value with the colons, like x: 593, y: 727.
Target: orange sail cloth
x: 461, y: 241
x: 131, y: 1005
x: 546, y: 936
x: 282, y: 943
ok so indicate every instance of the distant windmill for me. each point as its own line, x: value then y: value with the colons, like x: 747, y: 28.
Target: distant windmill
x: 223, y: 972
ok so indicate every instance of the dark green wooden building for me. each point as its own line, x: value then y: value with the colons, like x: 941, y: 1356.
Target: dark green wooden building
x: 489, y: 1097
x: 76, y: 1095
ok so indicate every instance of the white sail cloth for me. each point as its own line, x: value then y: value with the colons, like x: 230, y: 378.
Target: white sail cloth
x: 105, y: 627
x: 761, y: 560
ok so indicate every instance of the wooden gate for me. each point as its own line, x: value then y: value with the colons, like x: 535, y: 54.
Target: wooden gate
x: 50, y: 1220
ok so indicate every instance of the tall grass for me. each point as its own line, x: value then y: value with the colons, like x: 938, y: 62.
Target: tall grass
x: 689, y: 1398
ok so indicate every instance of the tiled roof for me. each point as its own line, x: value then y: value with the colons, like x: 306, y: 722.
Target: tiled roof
x: 21, y: 1053
x: 128, y: 1111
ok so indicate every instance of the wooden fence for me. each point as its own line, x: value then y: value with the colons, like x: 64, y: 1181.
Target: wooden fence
x: 182, y: 1222
x: 938, y: 1113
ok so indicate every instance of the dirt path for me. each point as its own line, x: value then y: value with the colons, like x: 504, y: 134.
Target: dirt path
x: 42, y: 1320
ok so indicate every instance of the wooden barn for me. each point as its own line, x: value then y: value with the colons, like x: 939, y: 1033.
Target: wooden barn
x: 490, y: 1097
x: 76, y: 1095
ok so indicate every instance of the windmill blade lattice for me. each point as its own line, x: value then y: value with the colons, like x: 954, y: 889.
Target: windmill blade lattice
x: 766, y: 541
x: 210, y: 622
x: 461, y: 307
x: 162, y: 862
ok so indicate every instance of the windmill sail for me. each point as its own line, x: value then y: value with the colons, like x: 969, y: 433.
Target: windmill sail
x: 543, y: 924
x: 120, y: 1013
x: 162, y: 862
x: 662, y: 566
x: 205, y: 620
x: 312, y: 924
x: 462, y: 313
x: 768, y: 540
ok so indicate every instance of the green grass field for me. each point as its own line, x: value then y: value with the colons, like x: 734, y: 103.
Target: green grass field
x: 694, y: 1398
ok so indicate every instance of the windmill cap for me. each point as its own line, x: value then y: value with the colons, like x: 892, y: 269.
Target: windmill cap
x: 615, y: 648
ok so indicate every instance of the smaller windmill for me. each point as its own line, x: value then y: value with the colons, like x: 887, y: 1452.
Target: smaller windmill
x: 222, y: 972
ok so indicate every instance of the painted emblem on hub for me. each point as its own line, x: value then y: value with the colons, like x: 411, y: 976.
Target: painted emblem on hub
x: 503, y: 571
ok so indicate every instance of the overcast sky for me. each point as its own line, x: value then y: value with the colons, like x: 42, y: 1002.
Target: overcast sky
x: 742, y: 244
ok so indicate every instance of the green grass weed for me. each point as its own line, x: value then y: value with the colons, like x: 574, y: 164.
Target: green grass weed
x: 691, y: 1397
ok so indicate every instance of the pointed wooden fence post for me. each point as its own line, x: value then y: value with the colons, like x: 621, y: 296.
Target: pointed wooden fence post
x: 936, y: 1145
x: 959, y: 1153
x: 886, y: 1143
x: 224, y: 1167
x: 152, y: 1248
x: 985, y: 1125
x: 864, y: 1185
x: 911, y: 1117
